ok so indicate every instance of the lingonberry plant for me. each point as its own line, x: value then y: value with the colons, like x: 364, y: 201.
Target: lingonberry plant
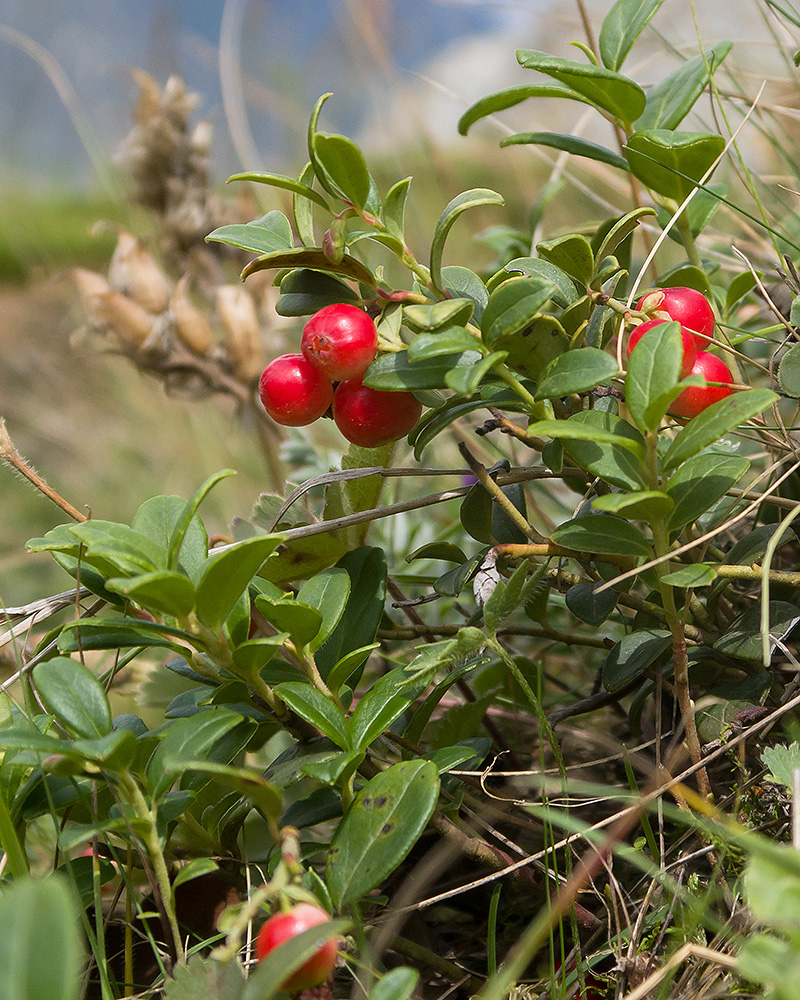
x: 286, y: 926
x: 603, y: 576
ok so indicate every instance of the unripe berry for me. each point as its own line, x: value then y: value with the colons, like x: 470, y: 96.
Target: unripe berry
x: 698, y: 398
x: 689, y: 345
x: 686, y: 306
x: 293, y: 391
x: 341, y: 341
x: 283, y: 927
x: 369, y: 417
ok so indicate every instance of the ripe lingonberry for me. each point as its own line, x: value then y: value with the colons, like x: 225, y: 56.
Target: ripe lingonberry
x: 341, y: 341
x: 369, y: 417
x: 689, y: 345
x: 698, y: 398
x: 283, y: 927
x: 293, y: 391
x: 686, y: 306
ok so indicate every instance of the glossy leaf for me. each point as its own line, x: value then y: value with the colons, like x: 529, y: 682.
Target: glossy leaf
x: 454, y: 340
x: 299, y: 621
x: 396, y: 984
x: 75, y: 697
x: 672, y: 163
x: 327, y: 592
x: 589, y: 430
x: 696, y: 575
x: 513, y: 305
x: 254, y: 654
x: 530, y: 349
x: 248, y: 782
x: 572, y: 254
x: 280, y: 181
x: 602, y: 534
x: 632, y: 655
x: 311, y: 705
x: 453, y: 209
x: 394, y: 207
x: 653, y: 370
x: 265, y: 235
x: 618, y: 95
x: 164, y: 520
x: 621, y: 230
x: 534, y: 267
x: 509, y: 98
x: 35, y: 915
x: 698, y: 483
x: 699, y: 212
x: 672, y: 98
x: 264, y: 982
x: 187, y: 739
x: 575, y: 371
x: 122, y: 633
x: 384, y: 822
x: 305, y: 291
x: 449, y: 312
x: 789, y: 371
x: 303, y: 208
x: 567, y: 144
x: 189, y: 512
x: 344, y: 164
x: 713, y: 423
x: 460, y: 282
x: 465, y: 381
x: 395, y: 371
x: 384, y: 702
x: 595, y: 446
x: 642, y: 505
x: 166, y: 592
x: 622, y: 25
x: 589, y: 607
x: 227, y: 574
x: 311, y: 257
x: 743, y: 637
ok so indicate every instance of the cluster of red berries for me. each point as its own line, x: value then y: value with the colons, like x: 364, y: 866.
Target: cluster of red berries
x: 692, y: 310
x: 338, y: 344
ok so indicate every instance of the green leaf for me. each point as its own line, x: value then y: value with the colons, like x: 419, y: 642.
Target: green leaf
x: 122, y: 633
x: 789, y: 371
x: 203, y: 977
x: 575, y: 371
x: 572, y: 254
x: 621, y: 230
x: 529, y: 350
x: 586, y: 430
x: 394, y: 207
x: 315, y: 708
x: 269, y: 233
x: 304, y: 291
x: 566, y: 294
x: 327, y: 592
x: 344, y: 165
x: 279, y: 181
x: 246, y: 781
x: 299, y: 621
x: 395, y: 371
x: 506, y: 597
x: 194, y: 869
x: 698, y: 483
x: 227, y: 574
x: 121, y: 546
x: 713, y: 423
x: 782, y: 762
x: 396, y: 984
x: 743, y: 637
x: 73, y: 694
x: 460, y: 282
x: 253, y: 655
x: 622, y: 25
x: 623, y: 99
x: 160, y: 517
x: 738, y: 288
x: 699, y: 212
x: 513, y: 305
x: 696, y: 575
x: 35, y: 915
x: 264, y: 982
x: 169, y: 593
x: 189, y: 511
x: 642, y: 505
x: 303, y: 208
x: 568, y: 144
x: 653, y: 370
x: 602, y: 534
x: 453, y: 209
x: 438, y: 314
x: 632, y: 655
x: 384, y: 822
x: 772, y: 887
x: 187, y: 739
x: 434, y: 421
x: 509, y: 98
x: 384, y: 702
x: 606, y: 446
x: 671, y: 100
x: 451, y: 341
x: 314, y: 258
x: 672, y: 163
x: 589, y: 607
x: 771, y: 961
x: 465, y: 381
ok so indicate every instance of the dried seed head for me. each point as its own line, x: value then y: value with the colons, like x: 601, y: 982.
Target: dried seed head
x: 237, y: 314
x: 127, y: 319
x: 133, y: 272
x: 90, y: 286
x: 191, y: 327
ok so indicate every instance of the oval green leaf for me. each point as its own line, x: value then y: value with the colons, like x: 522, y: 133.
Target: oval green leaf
x: 575, y: 371
x: 567, y: 144
x: 73, y: 694
x: 453, y: 209
x: 602, y: 534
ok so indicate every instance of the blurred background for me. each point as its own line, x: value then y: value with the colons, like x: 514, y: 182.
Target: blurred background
x: 107, y: 435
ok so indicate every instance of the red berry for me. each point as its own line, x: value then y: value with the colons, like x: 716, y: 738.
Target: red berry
x: 283, y: 927
x: 341, y: 341
x: 689, y: 345
x: 698, y: 398
x: 369, y: 417
x: 293, y: 391
x: 686, y: 306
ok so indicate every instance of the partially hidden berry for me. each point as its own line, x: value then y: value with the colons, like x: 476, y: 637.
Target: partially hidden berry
x: 369, y: 417
x: 293, y: 391
x: 341, y: 340
x: 695, y: 399
x: 281, y: 927
x: 686, y: 306
x: 687, y: 340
